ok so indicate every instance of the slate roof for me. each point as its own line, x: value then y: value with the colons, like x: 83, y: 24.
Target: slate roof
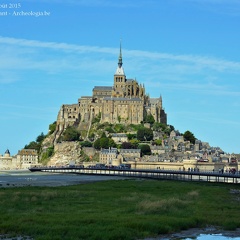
x: 106, y: 88
x: 122, y: 99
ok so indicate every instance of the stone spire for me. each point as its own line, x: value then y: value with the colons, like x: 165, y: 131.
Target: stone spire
x: 120, y: 70
x: 120, y: 56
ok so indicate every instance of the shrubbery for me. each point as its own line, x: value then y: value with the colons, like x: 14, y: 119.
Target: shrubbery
x: 145, y: 134
x: 70, y: 134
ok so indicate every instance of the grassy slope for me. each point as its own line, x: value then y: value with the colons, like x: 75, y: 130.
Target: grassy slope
x: 124, y: 209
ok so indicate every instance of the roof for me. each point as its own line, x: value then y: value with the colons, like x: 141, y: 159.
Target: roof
x: 109, y: 151
x: 27, y: 152
x: 131, y: 80
x: 7, y: 152
x: 103, y: 88
x: 154, y: 100
x: 121, y: 99
x: 130, y: 150
x: 119, y: 135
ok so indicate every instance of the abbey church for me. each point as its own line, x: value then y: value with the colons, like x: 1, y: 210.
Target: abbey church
x: 124, y: 102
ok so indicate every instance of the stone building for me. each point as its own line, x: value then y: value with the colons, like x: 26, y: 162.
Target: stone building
x: 7, y: 162
x: 130, y: 154
x: 27, y: 158
x: 119, y: 137
x: 107, y: 156
x: 124, y: 102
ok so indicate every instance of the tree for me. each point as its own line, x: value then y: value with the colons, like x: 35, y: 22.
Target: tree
x: 159, y: 126
x: 126, y: 145
x: 157, y: 142
x: 119, y: 119
x: 70, y: 134
x: 40, y: 138
x: 52, y: 127
x: 134, y: 143
x: 189, y: 136
x: 149, y: 119
x: 145, y: 134
x: 97, y: 144
x: 97, y: 118
x: 104, y: 142
x: 131, y: 136
x: 33, y: 145
x: 86, y: 144
x: 111, y: 143
x: 145, y: 149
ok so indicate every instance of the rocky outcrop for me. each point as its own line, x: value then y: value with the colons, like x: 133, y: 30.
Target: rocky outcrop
x: 65, y: 152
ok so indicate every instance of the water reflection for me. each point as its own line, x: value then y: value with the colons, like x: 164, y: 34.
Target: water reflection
x: 213, y: 237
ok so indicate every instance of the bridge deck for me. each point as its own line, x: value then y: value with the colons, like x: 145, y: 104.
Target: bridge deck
x: 145, y: 173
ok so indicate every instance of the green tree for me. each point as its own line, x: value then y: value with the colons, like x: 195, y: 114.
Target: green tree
x: 145, y: 149
x: 127, y: 145
x: 97, y: 118
x: 157, y: 142
x: 149, y: 119
x: 40, y: 138
x: 86, y: 144
x: 104, y: 142
x: 134, y: 143
x: 33, y: 145
x: 111, y: 143
x: 70, y: 134
x: 97, y: 144
x: 119, y: 128
x: 52, y: 127
x: 189, y: 136
x: 131, y: 136
x: 109, y: 129
x: 145, y: 134
x: 159, y: 127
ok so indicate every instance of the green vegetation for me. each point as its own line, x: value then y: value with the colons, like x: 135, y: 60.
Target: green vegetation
x: 189, y: 136
x: 86, y: 144
x: 157, y: 142
x: 36, y: 144
x: 104, y: 142
x: 52, y: 127
x: 97, y: 118
x: 145, y: 149
x: 145, y: 134
x: 138, y: 209
x: 149, y: 119
x: 70, y: 134
x: 46, y: 154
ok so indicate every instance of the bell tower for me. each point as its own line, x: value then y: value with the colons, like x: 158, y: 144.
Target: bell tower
x: 119, y: 77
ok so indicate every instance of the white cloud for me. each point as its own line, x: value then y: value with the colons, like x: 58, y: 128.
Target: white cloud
x: 201, y: 61
x: 200, y: 74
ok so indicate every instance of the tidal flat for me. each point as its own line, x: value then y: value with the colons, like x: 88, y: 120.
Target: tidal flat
x: 117, y: 209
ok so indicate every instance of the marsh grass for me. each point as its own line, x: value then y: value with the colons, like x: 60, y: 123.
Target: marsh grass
x: 126, y: 209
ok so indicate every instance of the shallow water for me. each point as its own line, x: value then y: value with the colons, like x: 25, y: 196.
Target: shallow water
x: 213, y: 237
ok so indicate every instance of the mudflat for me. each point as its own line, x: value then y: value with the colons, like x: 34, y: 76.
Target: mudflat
x: 23, y: 178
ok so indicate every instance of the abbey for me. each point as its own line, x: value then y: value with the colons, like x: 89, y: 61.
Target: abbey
x: 125, y: 102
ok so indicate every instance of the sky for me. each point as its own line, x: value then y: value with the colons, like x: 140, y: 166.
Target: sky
x: 187, y: 51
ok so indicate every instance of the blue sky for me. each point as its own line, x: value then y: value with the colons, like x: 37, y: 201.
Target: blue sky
x: 185, y: 50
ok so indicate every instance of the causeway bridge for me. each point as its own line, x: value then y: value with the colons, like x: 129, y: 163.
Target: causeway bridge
x: 219, y: 177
